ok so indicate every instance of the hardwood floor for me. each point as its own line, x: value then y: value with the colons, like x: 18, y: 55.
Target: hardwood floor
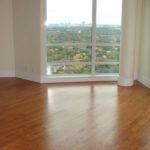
x: 73, y: 116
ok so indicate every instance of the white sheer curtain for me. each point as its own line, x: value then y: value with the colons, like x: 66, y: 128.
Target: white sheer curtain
x: 128, y: 42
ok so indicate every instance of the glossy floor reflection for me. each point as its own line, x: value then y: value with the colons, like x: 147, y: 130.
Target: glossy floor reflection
x: 73, y: 116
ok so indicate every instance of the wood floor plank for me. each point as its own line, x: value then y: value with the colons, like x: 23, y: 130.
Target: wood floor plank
x: 73, y: 116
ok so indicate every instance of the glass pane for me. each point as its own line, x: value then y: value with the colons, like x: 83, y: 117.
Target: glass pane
x: 107, y: 53
x: 108, y: 21
x: 68, y: 35
x: 108, y: 34
x: 107, y: 69
x: 69, y: 53
x: 69, y: 21
x: 69, y: 69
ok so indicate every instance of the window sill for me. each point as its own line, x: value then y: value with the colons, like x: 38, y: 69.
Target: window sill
x: 79, y: 78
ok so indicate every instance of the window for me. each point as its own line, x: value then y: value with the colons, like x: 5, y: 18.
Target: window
x: 83, y: 37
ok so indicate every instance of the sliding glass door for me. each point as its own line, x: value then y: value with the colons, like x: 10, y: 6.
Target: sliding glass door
x: 83, y: 37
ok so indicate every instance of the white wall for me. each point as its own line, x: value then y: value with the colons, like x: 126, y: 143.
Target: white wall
x: 7, y: 64
x: 27, y: 42
x: 144, y: 64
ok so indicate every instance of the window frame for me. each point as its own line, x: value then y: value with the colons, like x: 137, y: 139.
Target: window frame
x: 93, y: 44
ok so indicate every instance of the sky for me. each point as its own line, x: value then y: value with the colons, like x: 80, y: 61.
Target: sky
x: 79, y: 11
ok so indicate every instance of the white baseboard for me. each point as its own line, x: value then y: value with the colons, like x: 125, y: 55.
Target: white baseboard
x: 44, y: 79
x: 125, y: 82
x: 28, y: 76
x: 144, y: 80
x: 7, y: 74
x: 86, y: 78
x: 58, y: 79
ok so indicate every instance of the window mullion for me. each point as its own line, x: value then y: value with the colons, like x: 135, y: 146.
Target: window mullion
x: 94, y: 10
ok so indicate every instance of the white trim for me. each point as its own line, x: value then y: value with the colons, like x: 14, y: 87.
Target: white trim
x: 144, y: 80
x: 7, y: 74
x: 83, y: 44
x: 43, y: 35
x: 125, y: 82
x: 28, y: 76
x: 94, y: 12
x: 68, y: 44
x: 81, y: 63
x: 68, y: 63
x: 138, y: 38
x: 86, y: 78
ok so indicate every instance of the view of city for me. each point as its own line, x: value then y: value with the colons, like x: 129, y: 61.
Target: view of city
x: 107, y: 50
x: 71, y: 48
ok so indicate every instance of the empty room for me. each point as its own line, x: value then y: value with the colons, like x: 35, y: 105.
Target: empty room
x: 74, y: 74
